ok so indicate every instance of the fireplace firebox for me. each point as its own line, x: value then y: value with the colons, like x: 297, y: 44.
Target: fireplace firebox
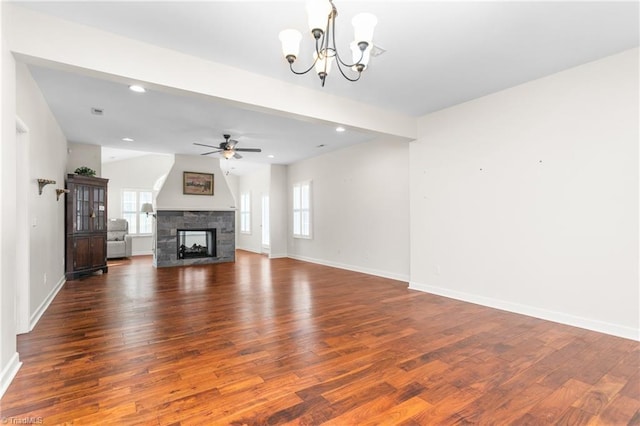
x: 196, y: 243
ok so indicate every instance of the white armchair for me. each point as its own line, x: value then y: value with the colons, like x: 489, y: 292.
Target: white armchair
x: 118, y: 239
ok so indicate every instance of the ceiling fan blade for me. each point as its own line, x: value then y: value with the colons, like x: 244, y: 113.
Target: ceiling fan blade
x: 231, y: 143
x: 236, y: 155
x: 210, y: 152
x: 201, y: 144
x: 249, y: 149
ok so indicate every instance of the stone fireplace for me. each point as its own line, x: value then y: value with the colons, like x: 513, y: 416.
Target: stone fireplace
x: 194, y: 229
x: 194, y: 237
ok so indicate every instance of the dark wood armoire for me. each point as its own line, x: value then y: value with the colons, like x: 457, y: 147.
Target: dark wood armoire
x: 86, y: 225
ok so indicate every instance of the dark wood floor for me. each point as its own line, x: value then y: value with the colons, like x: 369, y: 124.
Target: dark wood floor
x: 263, y: 342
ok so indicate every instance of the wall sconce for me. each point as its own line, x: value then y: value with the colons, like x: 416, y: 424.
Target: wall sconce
x: 147, y: 208
x: 60, y: 192
x: 42, y: 183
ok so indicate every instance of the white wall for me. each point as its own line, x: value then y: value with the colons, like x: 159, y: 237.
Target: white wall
x: 233, y: 182
x: 171, y: 196
x: 360, y: 209
x: 82, y: 154
x: 527, y: 199
x: 46, y: 159
x: 9, y: 359
x: 278, y: 211
x: 139, y: 173
x: 256, y: 183
x: 28, y: 220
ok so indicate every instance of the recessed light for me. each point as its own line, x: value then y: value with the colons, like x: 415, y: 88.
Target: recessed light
x: 136, y: 88
x: 271, y: 156
x: 97, y: 111
x: 340, y: 129
x: 127, y: 139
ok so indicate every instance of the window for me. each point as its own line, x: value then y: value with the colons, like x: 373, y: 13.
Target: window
x: 302, y: 210
x: 132, y: 201
x: 245, y: 212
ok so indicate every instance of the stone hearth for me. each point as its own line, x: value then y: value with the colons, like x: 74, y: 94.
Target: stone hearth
x: 169, y: 222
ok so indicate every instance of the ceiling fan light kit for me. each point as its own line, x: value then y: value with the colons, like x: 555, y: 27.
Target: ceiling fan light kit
x: 322, y: 14
x: 228, y: 148
x: 228, y: 153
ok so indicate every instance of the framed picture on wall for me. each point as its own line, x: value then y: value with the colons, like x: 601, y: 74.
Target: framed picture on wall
x: 194, y: 183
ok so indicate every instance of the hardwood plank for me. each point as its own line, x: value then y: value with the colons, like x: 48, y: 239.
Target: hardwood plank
x: 574, y: 417
x: 619, y: 410
x: 368, y: 410
x: 281, y: 341
x: 518, y: 405
x: 551, y: 408
x: 400, y: 412
x: 454, y: 401
x: 600, y: 395
x: 631, y: 387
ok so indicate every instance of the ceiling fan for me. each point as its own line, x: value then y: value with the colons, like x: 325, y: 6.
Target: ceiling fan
x: 228, y: 148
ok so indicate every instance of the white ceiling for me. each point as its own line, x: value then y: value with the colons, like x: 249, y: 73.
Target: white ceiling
x: 438, y: 54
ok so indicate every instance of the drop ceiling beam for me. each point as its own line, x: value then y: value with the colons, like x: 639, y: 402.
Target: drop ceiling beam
x: 49, y: 41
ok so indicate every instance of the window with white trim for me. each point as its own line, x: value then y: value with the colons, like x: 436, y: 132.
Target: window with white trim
x: 302, y: 209
x: 132, y: 201
x: 245, y: 212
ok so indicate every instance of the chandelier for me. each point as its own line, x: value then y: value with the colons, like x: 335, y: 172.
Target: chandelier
x: 322, y: 22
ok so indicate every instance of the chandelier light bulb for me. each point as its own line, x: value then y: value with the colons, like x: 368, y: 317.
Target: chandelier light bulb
x: 290, y: 40
x: 363, y: 26
x: 317, y: 14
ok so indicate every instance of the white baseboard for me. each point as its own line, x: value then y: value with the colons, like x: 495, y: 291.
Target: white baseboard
x: 532, y: 311
x: 9, y: 372
x: 35, y: 317
x: 277, y: 256
x: 142, y: 253
x: 249, y: 250
x: 368, y: 271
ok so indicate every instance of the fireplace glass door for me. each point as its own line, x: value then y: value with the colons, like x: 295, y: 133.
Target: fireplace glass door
x: 195, y: 243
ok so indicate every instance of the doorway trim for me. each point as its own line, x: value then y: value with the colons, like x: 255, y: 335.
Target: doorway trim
x: 23, y: 245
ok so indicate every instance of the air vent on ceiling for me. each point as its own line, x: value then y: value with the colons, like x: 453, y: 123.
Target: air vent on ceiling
x: 97, y: 111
